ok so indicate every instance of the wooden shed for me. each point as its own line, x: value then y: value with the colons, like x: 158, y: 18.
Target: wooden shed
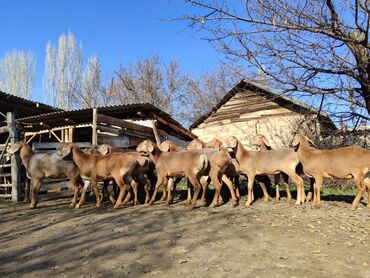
x: 12, y: 107
x: 250, y: 109
x: 45, y: 128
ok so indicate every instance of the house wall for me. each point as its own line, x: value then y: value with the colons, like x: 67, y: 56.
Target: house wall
x: 278, y: 124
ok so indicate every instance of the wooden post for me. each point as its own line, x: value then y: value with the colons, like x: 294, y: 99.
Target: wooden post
x: 15, y: 162
x: 155, y: 131
x: 94, y: 139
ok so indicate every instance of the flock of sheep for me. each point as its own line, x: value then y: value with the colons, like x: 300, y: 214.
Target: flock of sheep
x: 164, y: 165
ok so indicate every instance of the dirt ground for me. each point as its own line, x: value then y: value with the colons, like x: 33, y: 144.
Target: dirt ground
x: 275, y: 239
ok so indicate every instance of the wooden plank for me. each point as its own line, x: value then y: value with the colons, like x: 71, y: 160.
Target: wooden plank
x: 54, y: 145
x: 125, y: 124
x: 5, y: 195
x: 156, y: 133
x: 4, y: 129
x: 15, y: 161
x: 173, y: 126
x: 94, y: 139
x: 55, y: 195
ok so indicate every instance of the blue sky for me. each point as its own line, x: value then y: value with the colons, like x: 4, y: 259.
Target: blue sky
x: 119, y: 32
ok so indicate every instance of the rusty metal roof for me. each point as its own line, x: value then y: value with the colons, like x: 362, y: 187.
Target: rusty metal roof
x: 138, y: 111
x: 283, y: 101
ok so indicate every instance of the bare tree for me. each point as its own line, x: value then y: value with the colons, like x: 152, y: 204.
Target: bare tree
x: 315, y: 49
x: 149, y: 80
x: 63, y: 67
x: 17, y: 73
x: 90, y: 93
x: 204, y: 92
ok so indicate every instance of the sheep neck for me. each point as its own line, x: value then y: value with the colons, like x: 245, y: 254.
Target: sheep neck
x: 26, y: 153
x: 79, y: 157
x: 155, y: 155
x: 304, y: 149
x: 240, y: 151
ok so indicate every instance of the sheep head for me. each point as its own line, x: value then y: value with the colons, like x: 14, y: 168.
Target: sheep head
x: 231, y: 142
x: 196, y: 144
x: 146, y: 147
x: 16, y: 147
x: 65, y: 149
x: 260, y: 140
x: 105, y: 148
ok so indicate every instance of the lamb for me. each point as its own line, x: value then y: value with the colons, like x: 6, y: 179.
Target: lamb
x: 118, y: 166
x: 174, y: 165
x: 270, y: 162
x: 47, y: 165
x: 341, y: 163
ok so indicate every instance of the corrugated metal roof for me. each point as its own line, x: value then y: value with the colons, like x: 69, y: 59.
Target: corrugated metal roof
x: 138, y: 111
x: 23, y: 107
x: 262, y: 90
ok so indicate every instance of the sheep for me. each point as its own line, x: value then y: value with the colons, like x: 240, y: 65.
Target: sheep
x: 341, y: 163
x: 47, y: 165
x: 174, y: 165
x: 264, y: 145
x: 142, y: 174
x: 118, y: 166
x: 271, y: 162
x: 220, y: 160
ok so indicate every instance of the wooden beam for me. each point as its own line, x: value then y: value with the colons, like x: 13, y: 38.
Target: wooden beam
x: 4, y: 129
x: 94, y: 127
x: 173, y: 126
x: 15, y: 161
x: 157, y: 139
x: 126, y: 125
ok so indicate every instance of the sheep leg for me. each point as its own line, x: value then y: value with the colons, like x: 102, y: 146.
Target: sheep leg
x: 309, y: 194
x: 250, y: 191
x: 194, y: 181
x: 277, y: 182
x: 216, y: 182
x: 94, y: 185
x: 229, y: 184
x: 317, y: 189
x: 36, y: 183
x: 299, y: 184
x: 287, y: 189
x: 146, y: 189
x: 160, y: 181
x: 122, y: 190
x: 204, y: 183
x: 189, y: 187
x: 164, y: 194
x: 237, y: 186
x: 134, y: 186
x: 127, y: 198
x: 367, y: 182
x: 169, y: 191
x: 105, y: 186
x: 83, y: 195
x: 361, y: 186
x: 76, y: 188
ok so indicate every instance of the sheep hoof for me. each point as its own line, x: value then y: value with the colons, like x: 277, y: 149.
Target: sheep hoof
x: 202, y: 203
x: 212, y: 205
x: 116, y: 206
x: 247, y: 204
x: 72, y: 205
x: 78, y: 206
x: 234, y: 202
x: 32, y: 206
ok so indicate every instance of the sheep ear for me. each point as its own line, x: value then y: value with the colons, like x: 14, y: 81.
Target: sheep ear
x: 311, y: 142
x: 151, y: 147
x: 103, y: 149
x: 165, y: 147
x: 265, y: 141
